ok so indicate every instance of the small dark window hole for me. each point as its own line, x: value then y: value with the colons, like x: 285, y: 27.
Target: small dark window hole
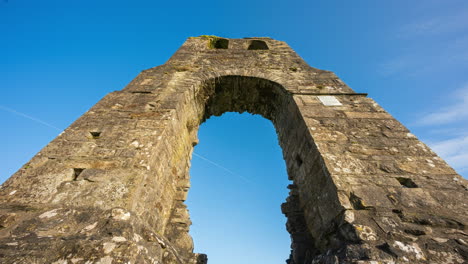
x: 220, y: 43
x: 298, y: 160
x: 406, y: 182
x: 95, y: 134
x: 140, y: 92
x: 258, y: 45
x: 77, y: 172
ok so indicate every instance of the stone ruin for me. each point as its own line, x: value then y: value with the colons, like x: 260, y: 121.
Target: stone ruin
x: 111, y: 188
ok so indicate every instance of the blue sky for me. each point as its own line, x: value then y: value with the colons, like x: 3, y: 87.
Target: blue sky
x: 58, y: 58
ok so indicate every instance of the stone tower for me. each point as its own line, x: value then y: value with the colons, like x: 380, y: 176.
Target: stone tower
x: 111, y: 187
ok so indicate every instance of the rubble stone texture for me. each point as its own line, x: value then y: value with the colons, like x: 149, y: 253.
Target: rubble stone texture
x: 111, y: 188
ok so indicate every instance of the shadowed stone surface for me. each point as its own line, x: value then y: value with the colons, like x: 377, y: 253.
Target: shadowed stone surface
x: 111, y: 188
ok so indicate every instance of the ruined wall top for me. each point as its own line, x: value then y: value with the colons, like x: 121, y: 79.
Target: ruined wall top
x: 206, y: 57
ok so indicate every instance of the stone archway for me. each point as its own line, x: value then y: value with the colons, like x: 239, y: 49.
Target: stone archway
x: 111, y: 187
x: 270, y: 100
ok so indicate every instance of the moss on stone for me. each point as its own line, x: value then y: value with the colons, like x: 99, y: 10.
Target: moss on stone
x: 215, y: 42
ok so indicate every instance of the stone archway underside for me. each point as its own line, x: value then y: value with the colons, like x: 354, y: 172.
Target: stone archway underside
x: 111, y: 188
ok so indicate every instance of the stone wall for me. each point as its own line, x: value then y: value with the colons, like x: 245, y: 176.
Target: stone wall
x: 111, y: 188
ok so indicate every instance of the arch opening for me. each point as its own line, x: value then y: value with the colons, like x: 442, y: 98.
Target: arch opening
x: 257, y: 45
x: 218, y: 43
x: 269, y: 99
x: 238, y: 181
x: 243, y: 94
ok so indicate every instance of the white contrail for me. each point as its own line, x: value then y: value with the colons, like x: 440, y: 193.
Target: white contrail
x: 58, y: 129
x: 29, y: 117
x: 219, y: 166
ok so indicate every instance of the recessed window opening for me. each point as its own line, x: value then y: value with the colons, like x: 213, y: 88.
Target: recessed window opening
x: 407, y: 182
x: 298, y: 160
x: 219, y: 43
x: 77, y: 172
x: 140, y: 92
x: 235, y: 196
x: 257, y: 45
x: 95, y: 134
